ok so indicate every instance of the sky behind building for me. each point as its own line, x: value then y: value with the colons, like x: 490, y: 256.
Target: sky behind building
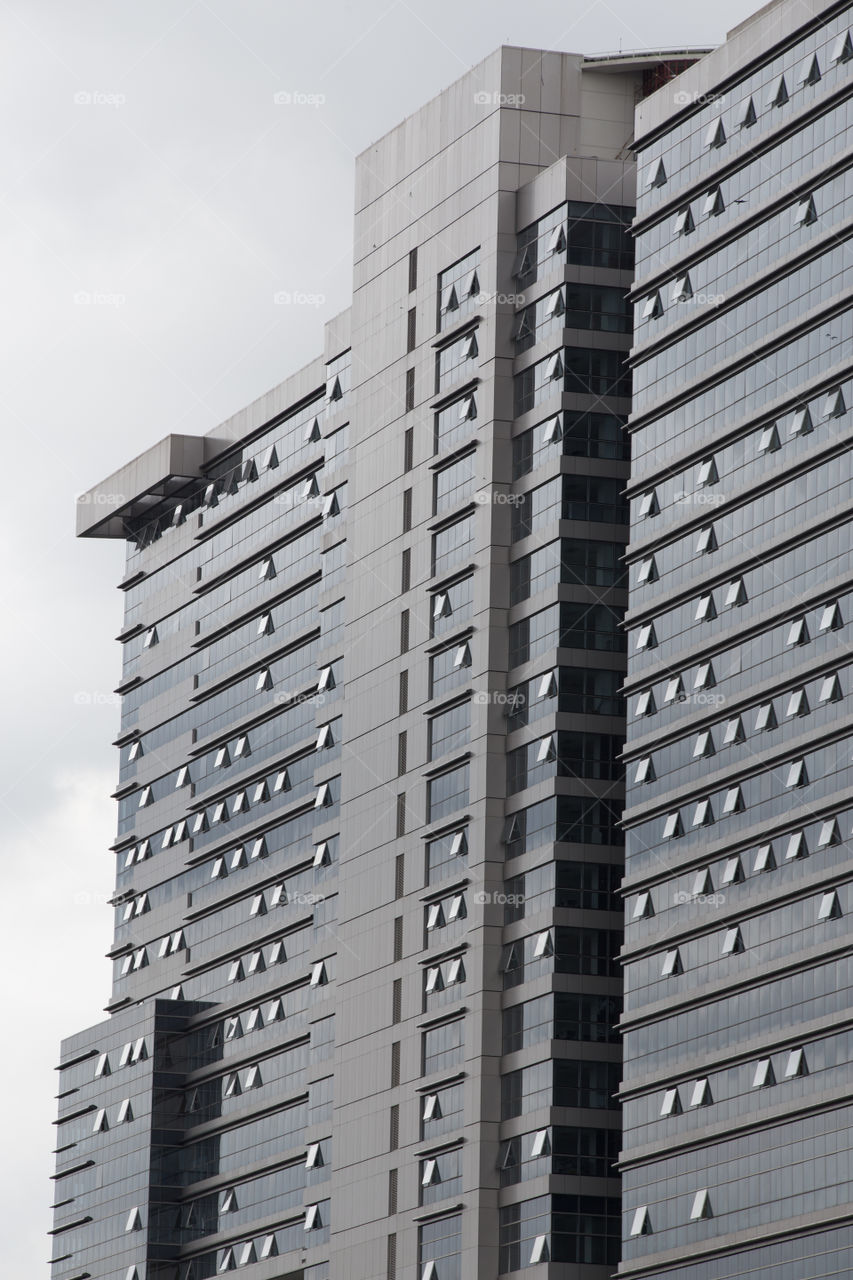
x: 175, y: 239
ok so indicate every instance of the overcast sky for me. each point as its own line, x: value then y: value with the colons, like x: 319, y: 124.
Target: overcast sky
x: 154, y: 200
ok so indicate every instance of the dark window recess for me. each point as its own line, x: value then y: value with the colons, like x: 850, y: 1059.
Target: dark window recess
x: 398, y: 938
x: 580, y: 1153
x: 404, y: 692
x: 586, y: 371
x: 399, y: 861
x: 589, y: 564
x: 407, y: 510
x: 409, y: 449
x: 394, y: 1120
x: 565, y: 1082
x: 401, y: 753
x: 396, y: 1000
x: 564, y: 820
x: 395, y: 1080
x: 602, y: 372
x: 587, y: 1084
x: 404, y: 631
x: 600, y: 236
x: 578, y: 1229
x: 598, y: 627
x: 411, y: 330
x: 586, y: 951
x: 561, y: 1016
x: 410, y: 390
x: 392, y: 1192
x: 579, y: 435
x: 587, y: 691
x: 574, y: 498
x: 566, y: 755
x: 391, y: 1258
x: 579, y: 886
x: 413, y: 269
x: 406, y: 570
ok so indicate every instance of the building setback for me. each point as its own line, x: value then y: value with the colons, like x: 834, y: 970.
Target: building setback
x: 364, y: 997
x: 738, y: 1019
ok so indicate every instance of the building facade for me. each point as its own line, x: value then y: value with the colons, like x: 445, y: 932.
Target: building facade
x: 738, y: 1022
x: 365, y: 985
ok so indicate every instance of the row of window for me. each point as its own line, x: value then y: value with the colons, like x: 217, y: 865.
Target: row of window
x: 296, y: 892
x: 564, y: 886
x: 293, y: 781
x: 827, y: 907
x: 227, y: 1210
x: 763, y: 718
x: 730, y: 801
x: 680, y: 688
x: 446, y: 855
x: 803, y: 214
x: 316, y: 1219
x: 734, y: 868
x: 454, y: 361
x: 746, y: 114
x: 123, y: 1115
x: 762, y: 1074
x: 768, y: 439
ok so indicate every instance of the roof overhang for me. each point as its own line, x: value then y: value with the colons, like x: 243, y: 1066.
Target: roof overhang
x: 642, y: 60
x: 129, y: 493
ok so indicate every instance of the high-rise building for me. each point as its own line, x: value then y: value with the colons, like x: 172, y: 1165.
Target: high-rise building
x: 738, y: 1025
x: 365, y: 985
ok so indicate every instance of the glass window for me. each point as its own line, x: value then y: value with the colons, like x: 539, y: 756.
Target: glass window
x: 453, y: 545
x: 447, y: 793
x: 449, y: 730
x: 442, y: 1047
